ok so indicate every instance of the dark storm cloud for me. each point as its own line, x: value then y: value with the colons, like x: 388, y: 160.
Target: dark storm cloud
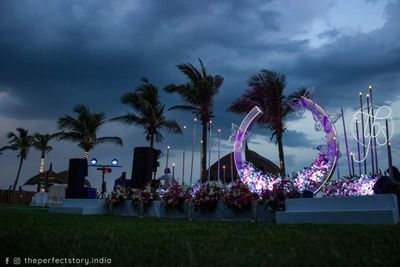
x: 351, y: 63
x: 328, y: 34
x: 94, y: 51
x: 56, y: 54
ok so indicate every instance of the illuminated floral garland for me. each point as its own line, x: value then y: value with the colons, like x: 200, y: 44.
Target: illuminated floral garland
x: 239, y: 196
x: 205, y: 196
x: 356, y: 186
x: 173, y: 196
x: 310, y: 178
x: 275, y: 199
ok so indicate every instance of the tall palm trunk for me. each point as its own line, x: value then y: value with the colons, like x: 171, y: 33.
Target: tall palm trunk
x: 281, y: 154
x: 41, y: 166
x: 204, y: 151
x: 86, y: 154
x: 152, y: 141
x: 21, y: 160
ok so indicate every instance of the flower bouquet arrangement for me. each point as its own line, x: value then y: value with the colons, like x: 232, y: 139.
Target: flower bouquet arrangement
x: 117, y: 196
x: 275, y: 199
x: 310, y: 178
x: 239, y: 196
x: 350, y: 186
x: 256, y: 180
x: 205, y: 196
x: 144, y: 195
x: 173, y: 196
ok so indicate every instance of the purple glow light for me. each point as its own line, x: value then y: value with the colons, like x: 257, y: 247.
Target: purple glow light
x: 312, y: 175
x: 241, y: 133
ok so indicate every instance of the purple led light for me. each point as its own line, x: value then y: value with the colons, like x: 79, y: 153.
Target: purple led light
x: 312, y: 178
x: 250, y: 118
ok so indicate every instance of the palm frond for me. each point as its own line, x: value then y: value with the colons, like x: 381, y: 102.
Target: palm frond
x: 203, y: 68
x: 71, y: 136
x: 11, y: 135
x: 109, y: 139
x: 129, y: 118
x: 67, y: 122
x: 301, y: 92
x: 5, y: 148
x: 184, y: 107
x: 172, y: 126
x: 191, y: 73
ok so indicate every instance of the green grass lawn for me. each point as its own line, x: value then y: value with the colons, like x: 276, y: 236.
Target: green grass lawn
x: 128, y: 241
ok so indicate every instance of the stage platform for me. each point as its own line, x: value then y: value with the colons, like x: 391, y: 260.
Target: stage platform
x: 375, y: 209
x: 156, y: 209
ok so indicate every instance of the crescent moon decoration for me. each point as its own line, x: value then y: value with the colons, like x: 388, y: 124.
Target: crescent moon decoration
x: 311, y: 178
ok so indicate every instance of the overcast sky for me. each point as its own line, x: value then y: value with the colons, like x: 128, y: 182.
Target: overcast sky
x: 56, y: 54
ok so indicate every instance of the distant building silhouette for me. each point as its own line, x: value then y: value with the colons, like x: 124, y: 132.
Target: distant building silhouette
x: 261, y: 163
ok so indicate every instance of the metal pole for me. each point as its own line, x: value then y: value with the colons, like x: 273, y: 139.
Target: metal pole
x: 373, y: 131
x: 370, y: 134
x: 193, y: 146
x: 363, y: 134
x: 209, y: 155
x: 219, y: 153
x: 232, y: 167
x: 102, y: 184
x: 166, y: 165
x: 183, y: 155
x: 345, y: 139
x: 352, y: 163
x: 201, y: 145
x: 389, y: 151
x: 358, y: 149
x: 223, y: 167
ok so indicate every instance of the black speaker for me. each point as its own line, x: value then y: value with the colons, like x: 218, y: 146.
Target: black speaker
x: 77, y: 171
x: 144, y: 164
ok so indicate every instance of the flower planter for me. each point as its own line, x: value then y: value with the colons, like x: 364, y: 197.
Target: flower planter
x: 179, y: 212
x: 258, y: 212
x: 198, y: 214
x: 156, y: 209
x: 263, y: 214
x: 233, y: 214
x: 125, y: 208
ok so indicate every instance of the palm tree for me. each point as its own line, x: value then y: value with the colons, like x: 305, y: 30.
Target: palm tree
x: 266, y: 90
x: 41, y: 143
x: 20, y: 142
x: 83, y: 129
x: 145, y: 101
x: 199, y: 94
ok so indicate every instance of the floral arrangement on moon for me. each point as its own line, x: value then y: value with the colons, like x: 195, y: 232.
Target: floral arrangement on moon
x: 354, y: 186
x: 310, y: 178
x: 205, y: 196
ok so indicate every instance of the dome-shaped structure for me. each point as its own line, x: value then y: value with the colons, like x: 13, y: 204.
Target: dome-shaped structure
x: 52, y: 178
x: 261, y: 163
